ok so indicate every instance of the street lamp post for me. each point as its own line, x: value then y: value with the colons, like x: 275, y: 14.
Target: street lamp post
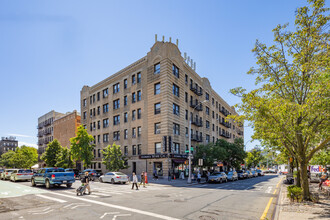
x: 189, y: 144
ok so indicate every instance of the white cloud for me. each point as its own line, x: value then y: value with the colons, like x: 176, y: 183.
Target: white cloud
x: 20, y: 135
x: 27, y: 144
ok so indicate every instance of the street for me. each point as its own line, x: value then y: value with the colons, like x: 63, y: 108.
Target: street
x: 243, y: 199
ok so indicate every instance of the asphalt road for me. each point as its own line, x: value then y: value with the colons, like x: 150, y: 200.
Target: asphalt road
x: 243, y: 199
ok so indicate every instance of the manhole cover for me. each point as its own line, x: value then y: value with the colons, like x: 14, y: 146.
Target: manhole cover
x: 205, y: 217
x: 162, y: 196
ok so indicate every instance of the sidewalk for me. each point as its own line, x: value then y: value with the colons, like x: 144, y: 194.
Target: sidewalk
x: 305, y: 210
x: 176, y: 182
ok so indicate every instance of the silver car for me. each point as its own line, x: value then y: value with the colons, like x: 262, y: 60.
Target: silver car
x: 21, y: 174
x: 218, y: 177
x: 6, y: 174
x: 114, y: 177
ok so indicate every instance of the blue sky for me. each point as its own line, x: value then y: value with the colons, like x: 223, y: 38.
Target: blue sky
x: 50, y: 49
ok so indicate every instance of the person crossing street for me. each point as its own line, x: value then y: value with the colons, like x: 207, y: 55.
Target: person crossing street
x: 134, y: 181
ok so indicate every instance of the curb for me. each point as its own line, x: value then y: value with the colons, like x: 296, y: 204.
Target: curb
x: 276, y: 213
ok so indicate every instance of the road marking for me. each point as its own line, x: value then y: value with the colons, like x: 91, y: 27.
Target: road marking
x: 117, y: 207
x: 264, y: 214
x: 40, y: 210
x: 269, y: 189
x: 108, y: 213
x: 67, y: 206
x: 51, y: 198
x: 115, y: 216
x: 79, y: 206
x: 73, y: 193
x: 41, y: 213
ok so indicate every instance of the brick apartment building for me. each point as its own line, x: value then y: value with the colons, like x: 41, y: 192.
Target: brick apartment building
x: 146, y: 107
x: 7, y: 144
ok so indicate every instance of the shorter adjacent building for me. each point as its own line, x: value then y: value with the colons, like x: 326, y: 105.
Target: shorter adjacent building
x: 7, y: 144
x: 66, y: 127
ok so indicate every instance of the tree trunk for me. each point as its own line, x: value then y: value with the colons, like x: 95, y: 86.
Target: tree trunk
x: 298, y: 173
x: 304, y: 179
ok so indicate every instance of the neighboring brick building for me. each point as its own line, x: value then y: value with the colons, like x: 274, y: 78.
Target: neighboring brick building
x: 150, y: 99
x: 65, y: 127
x: 8, y: 143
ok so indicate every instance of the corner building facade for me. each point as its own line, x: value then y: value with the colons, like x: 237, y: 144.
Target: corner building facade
x: 146, y: 107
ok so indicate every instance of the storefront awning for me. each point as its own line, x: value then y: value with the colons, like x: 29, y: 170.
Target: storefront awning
x: 178, y: 160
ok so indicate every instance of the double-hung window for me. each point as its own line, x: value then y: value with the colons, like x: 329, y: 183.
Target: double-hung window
x: 175, y: 71
x: 116, y: 88
x: 176, y: 129
x: 157, y: 108
x: 176, y: 109
x: 157, y: 88
x: 116, y: 104
x: 139, y: 77
x: 116, y: 120
x: 176, y: 90
x: 157, y: 68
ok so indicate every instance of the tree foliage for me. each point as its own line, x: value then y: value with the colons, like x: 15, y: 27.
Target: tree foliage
x: 254, y: 157
x: 52, y: 151
x: 113, y: 158
x: 291, y: 106
x: 22, y: 157
x: 82, y: 146
x: 64, y: 158
x: 7, y: 159
x: 321, y: 158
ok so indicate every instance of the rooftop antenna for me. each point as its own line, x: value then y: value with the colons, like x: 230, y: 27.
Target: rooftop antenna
x: 155, y: 38
x: 177, y: 42
x: 170, y: 39
x: 188, y: 60
x: 191, y: 63
x: 194, y: 66
x: 185, y: 56
x: 163, y: 38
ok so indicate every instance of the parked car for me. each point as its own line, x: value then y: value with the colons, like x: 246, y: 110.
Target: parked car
x: 6, y: 174
x: 232, y: 175
x: 75, y: 171
x: 114, y: 177
x: 242, y: 174
x: 52, y: 176
x: 315, y: 177
x: 217, y: 177
x: 21, y: 174
x: 92, y: 174
x: 254, y: 173
x: 260, y: 172
x: 249, y: 174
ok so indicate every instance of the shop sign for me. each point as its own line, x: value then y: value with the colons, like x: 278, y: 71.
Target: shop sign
x: 184, y: 156
x: 152, y: 156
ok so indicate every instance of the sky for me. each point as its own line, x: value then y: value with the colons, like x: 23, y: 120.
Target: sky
x: 50, y: 49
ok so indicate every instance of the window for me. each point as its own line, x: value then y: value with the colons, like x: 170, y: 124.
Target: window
x: 187, y: 132
x: 105, y: 123
x: 90, y: 100
x: 98, y: 110
x: 133, y: 79
x: 94, y: 98
x: 139, y: 95
x: 139, y: 149
x: 84, y: 115
x: 212, y: 101
x: 84, y: 102
x: 125, y: 117
x: 176, y: 109
x: 186, y: 116
x: 207, y: 110
x: 216, y: 104
x: 207, y: 96
x: 105, y: 93
x: 133, y: 132
x: 98, y: 124
x: 105, y: 138
x: 157, y: 88
x: 207, y: 138
x: 157, y: 108
x: 126, y: 150
x: 207, y: 124
x: 116, y: 104
x: 116, y: 88
x: 98, y: 138
x: 91, y: 127
x: 176, y: 90
x: 105, y: 108
x: 212, y: 127
x: 175, y: 71
x: 157, y: 128
x: 125, y: 83
x: 133, y: 150
x: 93, y: 111
x: 186, y: 97
x: 116, y: 135
x: 176, y: 129
x: 176, y: 148
x: 157, y: 68
x: 133, y: 115
x: 133, y: 97
x: 158, y: 148
x: 138, y: 77
x: 125, y: 134
x: 125, y: 100
x: 186, y: 78
x: 139, y: 113
x: 212, y: 114
x: 139, y: 130
x: 116, y: 120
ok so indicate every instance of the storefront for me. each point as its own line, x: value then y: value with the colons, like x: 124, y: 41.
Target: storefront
x: 178, y: 166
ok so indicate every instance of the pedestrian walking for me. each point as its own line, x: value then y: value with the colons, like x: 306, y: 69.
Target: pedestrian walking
x: 199, y: 177
x: 155, y: 175
x: 169, y: 176
x: 182, y: 175
x: 135, y: 181
x: 143, y: 181
x: 207, y: 176
x: 323, y: 178
x: 85, y: 182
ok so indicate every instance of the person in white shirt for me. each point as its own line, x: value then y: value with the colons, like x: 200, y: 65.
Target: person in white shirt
x: 135, y: 181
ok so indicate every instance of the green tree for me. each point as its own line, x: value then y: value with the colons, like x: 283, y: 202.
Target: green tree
x: 7, y: 159
x: 26, y: 157
x: 205, y: 152
x: 321, y: 158
x: 291, y: 105
x: 64, y: 158
x: 113, y: 158
x: 51, y: 153
x: 254, y: 157
x: 82, y: 146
